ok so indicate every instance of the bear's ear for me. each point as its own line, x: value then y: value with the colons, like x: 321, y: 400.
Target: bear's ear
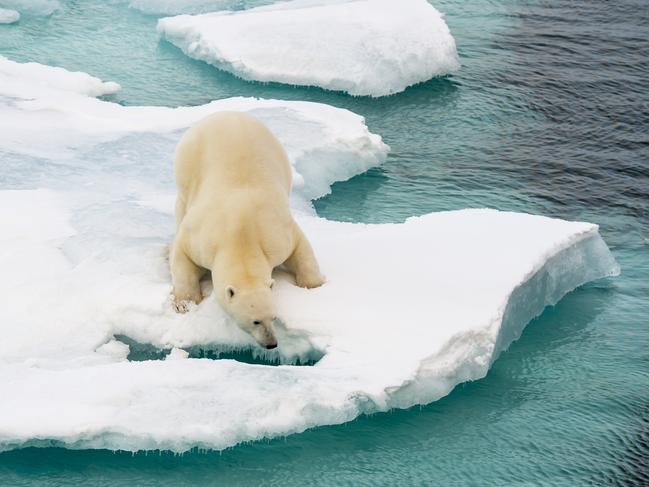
x: 229, y: 293
x: 271, y: 283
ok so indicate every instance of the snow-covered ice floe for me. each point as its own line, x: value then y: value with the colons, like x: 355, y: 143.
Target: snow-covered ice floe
x: 408, y: 311
x: 8, y: 16
x: 363, y: 47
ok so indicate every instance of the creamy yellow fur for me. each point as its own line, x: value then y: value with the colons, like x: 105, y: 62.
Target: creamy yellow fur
x: 233, y: 218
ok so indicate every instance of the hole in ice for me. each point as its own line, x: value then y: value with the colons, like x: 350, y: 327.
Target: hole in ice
x: 140, y: 352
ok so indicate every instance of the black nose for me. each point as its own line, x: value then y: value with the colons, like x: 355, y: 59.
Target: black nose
x: 256, y: 322
x: 271, y: 346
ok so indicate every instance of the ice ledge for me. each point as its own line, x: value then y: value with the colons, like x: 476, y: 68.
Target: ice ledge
x: 588, y: 258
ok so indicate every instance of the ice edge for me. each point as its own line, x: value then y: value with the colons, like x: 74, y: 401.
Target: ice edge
x: 544, y: 286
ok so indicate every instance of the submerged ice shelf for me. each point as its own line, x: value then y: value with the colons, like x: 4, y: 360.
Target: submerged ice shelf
x: 408, y: 311
x: 362, y: 47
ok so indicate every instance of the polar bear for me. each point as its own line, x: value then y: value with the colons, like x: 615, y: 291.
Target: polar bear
x: 233, y: 218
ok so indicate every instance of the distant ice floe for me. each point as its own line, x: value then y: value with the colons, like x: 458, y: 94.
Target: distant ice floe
x: 34, y: 7
x: 8, y: 16
x: 362, y: 47
x: 408, y: 311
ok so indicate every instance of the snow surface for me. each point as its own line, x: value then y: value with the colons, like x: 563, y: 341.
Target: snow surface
x: 363, y: 47
x: 409, y: 310
x: 8, y: 16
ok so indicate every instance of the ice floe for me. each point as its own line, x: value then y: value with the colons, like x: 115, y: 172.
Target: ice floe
x: 30, y: 78
x: 362, y: 47
x: 409, y: 310
x: 325, y: 144
x: 33, y: 7
x: 8, y: 16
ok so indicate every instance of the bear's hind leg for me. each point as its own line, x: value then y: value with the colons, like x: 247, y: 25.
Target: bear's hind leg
x: 180, y: 211
x: 186, y: 277
x: 303, y: 263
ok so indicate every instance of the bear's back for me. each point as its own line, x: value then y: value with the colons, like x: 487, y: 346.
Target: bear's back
x: 230, y: 151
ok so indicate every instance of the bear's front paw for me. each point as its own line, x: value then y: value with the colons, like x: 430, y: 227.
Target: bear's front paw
x: 310, y: 282
x: 182, y: 305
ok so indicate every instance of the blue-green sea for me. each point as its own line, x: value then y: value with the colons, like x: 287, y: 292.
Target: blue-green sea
x: 549, y: 114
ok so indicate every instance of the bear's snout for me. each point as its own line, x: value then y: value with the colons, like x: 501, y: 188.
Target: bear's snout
x: 263, y: 332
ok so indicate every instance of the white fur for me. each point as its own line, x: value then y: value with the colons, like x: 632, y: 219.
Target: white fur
x: 233, y: 218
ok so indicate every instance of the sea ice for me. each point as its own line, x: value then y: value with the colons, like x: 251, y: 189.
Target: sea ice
x: 363, y: 47
x: 408, y: 311
x: 34, y: 7
x: 175, y: 7
x: 325, y: 144
x: 8, y: 16
x: 40, y: 77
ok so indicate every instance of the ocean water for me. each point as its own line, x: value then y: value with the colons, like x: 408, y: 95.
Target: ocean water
x: 550, y: 115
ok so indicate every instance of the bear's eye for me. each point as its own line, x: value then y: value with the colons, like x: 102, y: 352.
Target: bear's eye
x: 256, y: 322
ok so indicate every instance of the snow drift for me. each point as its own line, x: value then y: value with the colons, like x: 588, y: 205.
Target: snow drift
x: 408, y: 311
x: 363, y: 47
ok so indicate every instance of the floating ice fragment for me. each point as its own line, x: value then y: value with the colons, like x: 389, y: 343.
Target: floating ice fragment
x: 8, y: 16
x: 177, y: 354
x: 16, y: 75
x: 114, y: 349
x: 363, y: 47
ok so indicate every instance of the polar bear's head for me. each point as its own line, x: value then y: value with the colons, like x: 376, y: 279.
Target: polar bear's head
x: 252, y: 307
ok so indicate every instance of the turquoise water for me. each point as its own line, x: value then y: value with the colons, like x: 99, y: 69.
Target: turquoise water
x: 549, y: 115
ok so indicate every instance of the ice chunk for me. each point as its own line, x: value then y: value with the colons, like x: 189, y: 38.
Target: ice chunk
x: 8, y: 16
x: 177, y: 354
x: 15, y: 76
x: 408, y: 311
x: 363, y: 47
x: 35, y: 7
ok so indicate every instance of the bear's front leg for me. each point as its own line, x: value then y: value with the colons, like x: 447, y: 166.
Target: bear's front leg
x: 185, y: 276
x: 303, y: 263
